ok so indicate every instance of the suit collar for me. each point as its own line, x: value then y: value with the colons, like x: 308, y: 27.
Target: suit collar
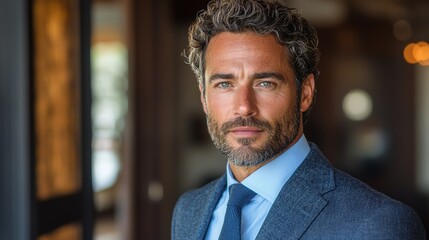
x: 301, y: 199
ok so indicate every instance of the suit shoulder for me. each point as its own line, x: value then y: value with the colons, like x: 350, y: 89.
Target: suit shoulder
x: 358, y: 192
x: 355, y: 188
x: 196, y: 195
x: 375, y: 212
x: 194, y: 208
x: 191, y: 202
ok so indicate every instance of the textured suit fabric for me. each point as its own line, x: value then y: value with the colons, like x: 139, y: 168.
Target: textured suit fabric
x: 318, y: 202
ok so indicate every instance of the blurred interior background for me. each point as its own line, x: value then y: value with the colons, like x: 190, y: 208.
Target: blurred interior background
x: 102, y: 127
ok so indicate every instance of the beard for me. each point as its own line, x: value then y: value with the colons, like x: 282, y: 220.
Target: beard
x: 280, y: 135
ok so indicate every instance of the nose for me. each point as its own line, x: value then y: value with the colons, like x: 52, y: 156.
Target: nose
x: 245, y: 102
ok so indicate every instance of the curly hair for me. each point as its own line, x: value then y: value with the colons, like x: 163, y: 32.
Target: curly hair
x: 259, y: 16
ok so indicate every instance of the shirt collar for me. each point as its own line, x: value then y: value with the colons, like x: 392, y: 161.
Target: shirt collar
x: 268, y: 180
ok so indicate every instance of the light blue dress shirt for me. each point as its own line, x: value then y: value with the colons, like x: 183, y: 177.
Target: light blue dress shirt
x: 266, y: 182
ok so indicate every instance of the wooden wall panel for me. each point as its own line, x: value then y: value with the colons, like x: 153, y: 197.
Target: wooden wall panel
x: 56, y: 82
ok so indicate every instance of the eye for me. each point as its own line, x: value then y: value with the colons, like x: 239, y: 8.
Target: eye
x: 266, y: 84
x: 223, y: 85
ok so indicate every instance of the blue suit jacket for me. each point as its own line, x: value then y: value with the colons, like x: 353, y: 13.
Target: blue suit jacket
x: 318, y: 202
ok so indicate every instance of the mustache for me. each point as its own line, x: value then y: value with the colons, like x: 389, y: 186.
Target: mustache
x: 245, y: 122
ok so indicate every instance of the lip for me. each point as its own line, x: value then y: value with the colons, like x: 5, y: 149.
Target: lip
x: 245, y: 131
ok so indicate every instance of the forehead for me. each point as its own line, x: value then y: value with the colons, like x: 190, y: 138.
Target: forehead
x: 246, y: 47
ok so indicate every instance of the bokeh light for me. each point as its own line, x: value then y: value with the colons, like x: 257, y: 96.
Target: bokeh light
x: 357, y: 105
x: 402, y: 30
x: 417, y: 53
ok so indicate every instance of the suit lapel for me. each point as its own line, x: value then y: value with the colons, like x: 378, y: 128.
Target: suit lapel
x: 301, y: 199
x: 208, y: 201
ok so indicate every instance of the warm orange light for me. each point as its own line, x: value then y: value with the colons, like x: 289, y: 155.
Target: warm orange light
x: 417, y: 53
x: 421, y: 53
x: 408, y: 53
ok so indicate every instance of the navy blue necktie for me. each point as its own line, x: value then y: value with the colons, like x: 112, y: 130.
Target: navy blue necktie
x: 239, y: 195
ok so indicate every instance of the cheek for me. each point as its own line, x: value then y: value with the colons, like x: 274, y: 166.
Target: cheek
x: 275, y: 107
x: 218, y: 105
x: 218, y: 113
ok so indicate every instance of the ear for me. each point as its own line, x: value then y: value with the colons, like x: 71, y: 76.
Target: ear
x: 203, y: 98
x: 307, y: 92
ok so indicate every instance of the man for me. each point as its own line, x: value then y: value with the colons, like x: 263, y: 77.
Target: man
x: 256, y: 62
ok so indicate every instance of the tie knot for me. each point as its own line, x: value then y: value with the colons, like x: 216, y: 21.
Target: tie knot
x: 239, y: 195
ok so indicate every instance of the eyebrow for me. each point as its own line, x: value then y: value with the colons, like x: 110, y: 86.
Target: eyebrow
x: 261, y: 75
x: 221, y: 76
x: 275, y: 75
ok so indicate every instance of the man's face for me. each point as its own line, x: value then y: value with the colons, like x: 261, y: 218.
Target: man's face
x: 251, y: 101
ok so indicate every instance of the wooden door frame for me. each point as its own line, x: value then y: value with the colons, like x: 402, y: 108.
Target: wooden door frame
x: 152, y: 100
x: 48, y: 215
